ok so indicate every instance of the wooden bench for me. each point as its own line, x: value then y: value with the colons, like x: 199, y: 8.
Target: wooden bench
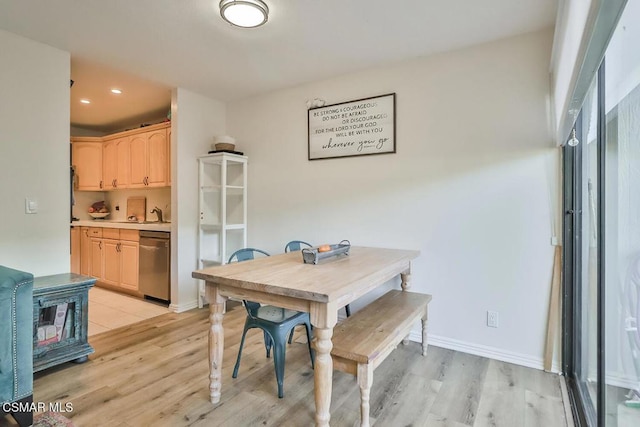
x: 361, y: 342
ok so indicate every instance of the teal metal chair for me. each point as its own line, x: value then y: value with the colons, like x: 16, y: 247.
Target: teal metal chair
x: 296, y: 245
x: 276, y: 323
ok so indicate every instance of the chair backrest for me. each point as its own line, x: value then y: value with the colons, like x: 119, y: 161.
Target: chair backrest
x: 296, y: 245
x: 246, y: 254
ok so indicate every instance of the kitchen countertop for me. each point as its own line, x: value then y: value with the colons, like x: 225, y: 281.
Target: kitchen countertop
x: 165, y: 226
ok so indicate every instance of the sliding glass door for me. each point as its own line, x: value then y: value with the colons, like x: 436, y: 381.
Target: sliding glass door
x: 602, y: 238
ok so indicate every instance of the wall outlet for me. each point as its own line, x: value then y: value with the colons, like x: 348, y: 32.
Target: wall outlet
x: 492, y: 319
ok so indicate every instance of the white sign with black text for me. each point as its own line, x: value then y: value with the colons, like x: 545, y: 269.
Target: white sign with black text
x: 355, y: 128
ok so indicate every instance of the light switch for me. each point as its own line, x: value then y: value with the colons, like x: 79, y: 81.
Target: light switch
x: 30, y: 206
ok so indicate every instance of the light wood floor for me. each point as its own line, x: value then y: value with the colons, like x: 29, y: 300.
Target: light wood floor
x: 155, y: 373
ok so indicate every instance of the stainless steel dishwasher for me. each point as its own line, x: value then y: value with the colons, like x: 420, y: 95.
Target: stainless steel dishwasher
x: 155, y: 254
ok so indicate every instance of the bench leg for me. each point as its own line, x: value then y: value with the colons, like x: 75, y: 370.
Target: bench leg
x: 365, y: 379
x: 405, y: 283
x: 424, y: 335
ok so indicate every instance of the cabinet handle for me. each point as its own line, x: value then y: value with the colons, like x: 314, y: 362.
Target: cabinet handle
x: 100, y: 244
x: 115, y: 183
x: 86, y: 232
x: 118, y: 247
x: 100, y: 184
x: 146, y: 180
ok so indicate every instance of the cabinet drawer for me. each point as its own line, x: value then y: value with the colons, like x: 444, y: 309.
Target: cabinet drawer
x: 95, y: 232
x: 111, y: 233
x: 129, y: 235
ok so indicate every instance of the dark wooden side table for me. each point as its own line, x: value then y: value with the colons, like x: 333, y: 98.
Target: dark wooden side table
x: 60, y: 319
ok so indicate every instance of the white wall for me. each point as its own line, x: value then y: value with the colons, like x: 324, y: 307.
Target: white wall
x: 470, y: 186
x: 34, y: 155
x: 195, y: 121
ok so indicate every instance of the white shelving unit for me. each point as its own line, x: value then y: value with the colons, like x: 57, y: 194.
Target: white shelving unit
x: 222, y: 227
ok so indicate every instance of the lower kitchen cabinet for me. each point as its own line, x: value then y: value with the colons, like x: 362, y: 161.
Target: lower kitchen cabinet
x: 111, y: 256
x: 75, y: 250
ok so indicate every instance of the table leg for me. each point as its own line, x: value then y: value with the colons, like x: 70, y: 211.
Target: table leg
x: 323, y: 319
x: 405, y: 284
x: 406, y: 280
x: 216, y: 341
x: 323, y: 374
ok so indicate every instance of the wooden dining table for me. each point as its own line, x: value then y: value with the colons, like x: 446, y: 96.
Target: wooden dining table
x: 318, y: 289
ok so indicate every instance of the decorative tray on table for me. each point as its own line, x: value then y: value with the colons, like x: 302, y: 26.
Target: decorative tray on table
x: 317, y: 253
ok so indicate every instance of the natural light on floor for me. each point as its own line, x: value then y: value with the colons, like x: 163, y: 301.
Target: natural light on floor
x: 110, y: 310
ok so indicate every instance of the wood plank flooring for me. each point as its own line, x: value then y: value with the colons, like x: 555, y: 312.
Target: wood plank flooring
x: 155, y: 373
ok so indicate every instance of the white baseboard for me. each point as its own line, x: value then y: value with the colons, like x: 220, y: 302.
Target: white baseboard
x: 485, y: 351
x: 179, y: 308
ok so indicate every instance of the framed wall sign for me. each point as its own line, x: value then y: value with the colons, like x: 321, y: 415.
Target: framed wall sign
x: 354, y: 128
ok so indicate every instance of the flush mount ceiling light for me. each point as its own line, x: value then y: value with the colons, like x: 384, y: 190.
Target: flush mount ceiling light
x: 116, y: 91
x: 244, y: 13
x: 85, y: 101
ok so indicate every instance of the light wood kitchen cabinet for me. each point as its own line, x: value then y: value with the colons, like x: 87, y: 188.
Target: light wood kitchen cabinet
x: 85, y: 251
x: 96, y: 263
x: 148, y: 158
x: 129, y: 268
x: 86, y: 157
x: 137, y: 158
x: 115, y: 163
x: 112, y: 257
x: 75, y: 250
x: 169, y: 156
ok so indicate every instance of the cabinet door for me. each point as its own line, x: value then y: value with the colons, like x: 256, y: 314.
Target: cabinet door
x: 169, y: 156
x: 129, y: 252
x: 97, y: 260
x: 138, y: 161
x: 87, y: 159
x: 157, y: 151
x: 85, y: 251
x: 75, y: 250
x: 110, y: 164
x: 111, y: 254
x: 123, y: 168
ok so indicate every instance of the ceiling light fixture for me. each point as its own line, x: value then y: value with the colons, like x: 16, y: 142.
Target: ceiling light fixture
x: 244, y: 13
x: 116, y: 91
x: 85, y: 101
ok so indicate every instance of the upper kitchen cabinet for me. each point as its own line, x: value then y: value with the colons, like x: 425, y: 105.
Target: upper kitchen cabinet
x: 148, y: 153
x: 137, y: 158
x: 86, y: 157
x: 115, y: 163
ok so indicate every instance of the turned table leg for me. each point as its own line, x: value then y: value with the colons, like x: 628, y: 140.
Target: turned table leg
x: 216, y: 341
x: 424, y: 335
x: 365, y: 379
x: 323, y: 318
x: 405, y: 284
x: 323, y: 374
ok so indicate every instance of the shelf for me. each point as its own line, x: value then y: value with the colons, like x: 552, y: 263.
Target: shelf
x: 235, y: 227
x: 210, y: 262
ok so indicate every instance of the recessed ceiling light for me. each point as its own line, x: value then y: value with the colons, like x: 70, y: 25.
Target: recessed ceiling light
x: 85, y: 101
x: 116, y: 91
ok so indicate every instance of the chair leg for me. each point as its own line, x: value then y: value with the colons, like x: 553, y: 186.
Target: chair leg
x: 25, y: 418
x: 291, y: 334
x: 235, y: 368
x: 279, y: 349
x: 307, y: 327
x: 348, y: 310
x: 268, y: 343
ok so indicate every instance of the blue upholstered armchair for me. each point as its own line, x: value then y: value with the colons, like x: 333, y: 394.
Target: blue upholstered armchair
x: 16, y: 344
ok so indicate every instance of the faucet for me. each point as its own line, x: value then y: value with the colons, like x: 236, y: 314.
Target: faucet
x: 156, y: 210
